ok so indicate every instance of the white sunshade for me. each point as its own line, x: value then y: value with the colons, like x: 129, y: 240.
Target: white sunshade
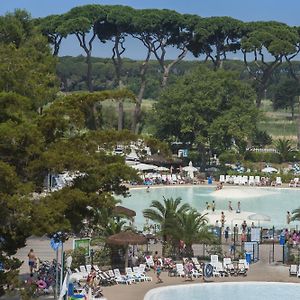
x: 144, y: 167
x: 162, y: 169
x: 259, y: 217
x: 190, y: 169
x: 269, y: 170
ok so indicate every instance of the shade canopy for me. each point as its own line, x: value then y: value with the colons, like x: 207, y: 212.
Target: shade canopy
x: 259, y: 217
x: 126, y: 238
x: 269, y: 170
x: 190, y: 169
x: 121, y: 210
x: 144, y: 167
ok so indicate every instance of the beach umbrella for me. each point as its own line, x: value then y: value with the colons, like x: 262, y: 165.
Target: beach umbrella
x: 190, y: 169
x: 161, y: 169
x: 144, y: 167
x: 269, y: 170
x: 259, y: 218
x: 126, y: 238
x: 121, y: 210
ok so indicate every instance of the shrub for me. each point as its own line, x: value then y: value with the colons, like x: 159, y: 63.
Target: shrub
x: 78, y: 257
x: 229, y: 157
x: 263, y: 156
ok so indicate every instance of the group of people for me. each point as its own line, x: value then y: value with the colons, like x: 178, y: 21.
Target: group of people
x: 212, y: 206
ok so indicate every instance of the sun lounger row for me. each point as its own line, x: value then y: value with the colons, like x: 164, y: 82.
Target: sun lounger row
x: 294, y: 183
x: 228, y: 267
x: 132, y: 275
x: 245, y: 180
x: 294, y: 270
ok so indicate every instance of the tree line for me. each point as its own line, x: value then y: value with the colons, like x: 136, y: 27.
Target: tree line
x: 266, y: 43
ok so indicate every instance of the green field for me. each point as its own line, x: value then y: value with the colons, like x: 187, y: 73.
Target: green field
x: 278, y: 123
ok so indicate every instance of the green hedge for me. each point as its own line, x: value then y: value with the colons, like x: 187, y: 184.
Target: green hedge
x: 263, y: 156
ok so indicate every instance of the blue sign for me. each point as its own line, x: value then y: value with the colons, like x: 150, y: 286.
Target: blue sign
x: 54, y: 245
x: 282, y: 240
x: 208, y: 270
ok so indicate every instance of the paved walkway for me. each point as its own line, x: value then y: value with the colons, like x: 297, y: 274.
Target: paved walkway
x: 260, y: 271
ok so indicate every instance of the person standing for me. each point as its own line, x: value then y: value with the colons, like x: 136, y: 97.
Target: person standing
x: 207, y: 206
x: 230, y: 206
x: 31, y: 261
x: 288, y: 218
x: 213, y: 206
x: 222, y: 219
x: 238, y: 207
x: 157, y: 267
x: 226, y: 234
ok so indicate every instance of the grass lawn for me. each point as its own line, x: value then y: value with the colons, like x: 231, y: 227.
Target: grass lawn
x: 279, y: 123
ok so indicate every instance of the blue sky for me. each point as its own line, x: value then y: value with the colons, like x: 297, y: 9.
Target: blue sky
x: 246, y: 10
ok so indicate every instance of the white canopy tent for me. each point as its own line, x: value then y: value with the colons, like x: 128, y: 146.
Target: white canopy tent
x: 190, y: 170
x: 144, y: 167
x: 269, y: 170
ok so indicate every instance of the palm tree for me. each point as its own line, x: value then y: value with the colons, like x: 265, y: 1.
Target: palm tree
x: 296, y: 215
x: 284, y: 147
x: 166, y: 214
x: 193, y: 228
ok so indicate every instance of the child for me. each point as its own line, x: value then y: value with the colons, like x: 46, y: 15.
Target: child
x: 158, y: 271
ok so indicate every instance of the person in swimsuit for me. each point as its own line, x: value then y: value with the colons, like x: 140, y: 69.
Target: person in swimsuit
x: 31, y: 261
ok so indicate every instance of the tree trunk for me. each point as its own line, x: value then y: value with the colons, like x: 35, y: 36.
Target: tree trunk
x: 89, y: 73
x: 138, y: 105
x: 189, y: 251
x: 259, y: 96
x: 120, y: 115
x: 298, y: 124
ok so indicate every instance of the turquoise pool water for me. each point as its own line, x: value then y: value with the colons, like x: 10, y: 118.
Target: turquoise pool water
x: 273, y: 202
x: 228, y: 290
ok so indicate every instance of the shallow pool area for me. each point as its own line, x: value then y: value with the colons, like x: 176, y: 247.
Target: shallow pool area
x: 273, y: 202
x: 227, y: 290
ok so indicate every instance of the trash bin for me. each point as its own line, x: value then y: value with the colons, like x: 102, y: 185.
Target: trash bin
x: 248, y: 257
x: 209, y: 180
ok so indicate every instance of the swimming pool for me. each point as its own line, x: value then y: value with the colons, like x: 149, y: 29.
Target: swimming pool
x: 273, y: 202
x: 227, y: 290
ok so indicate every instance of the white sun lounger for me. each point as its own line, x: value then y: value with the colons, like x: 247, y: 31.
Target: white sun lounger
x: 251, y: 180
x: 222, y: 179
x: 257, y: 180
x: 278, y: 181
x: 214, y: 259
x: 293, y: 270
x: 180, y: 270
x: 196, y: 264
x: 122, y: 279
x: 149, y: 261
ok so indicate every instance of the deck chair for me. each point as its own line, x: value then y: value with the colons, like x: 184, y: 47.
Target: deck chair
x: 246, y: 264
x: 149, y: 261
x: 257, y: 180
x: 214, y: 259
x: 278, y: 181
x: 222, y: 179
x: 241, y: 270
x: 245, y: 180
x: 195, y: 273
x: 135, y: 276
x: 228, y: 265
x: 82, y: 269
x: 180, y: 270
x: 219, y: 270
x: 251, y: 180
x: 139, y: 271
x: 196, y: 264
x: 88, y: 268
x: 293, y: 270
x: 228, y: 179
x: 122, y: 279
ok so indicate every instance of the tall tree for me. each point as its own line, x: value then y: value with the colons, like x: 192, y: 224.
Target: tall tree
x: 80, y: 21
x: 207, y: 108
x: 262, y: 40
x: 52, y: 27
x: 114, y: 27
x: 215, y: 37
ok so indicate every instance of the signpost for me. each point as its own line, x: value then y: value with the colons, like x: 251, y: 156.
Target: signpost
x: 83, y: 243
